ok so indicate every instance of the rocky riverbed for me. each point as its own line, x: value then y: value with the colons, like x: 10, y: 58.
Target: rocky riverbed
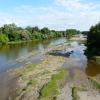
x: 51, y: 80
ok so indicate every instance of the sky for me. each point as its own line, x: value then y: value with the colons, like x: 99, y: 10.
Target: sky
x: 54, y: 14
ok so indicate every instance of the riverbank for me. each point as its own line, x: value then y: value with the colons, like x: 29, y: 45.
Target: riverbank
x: 49, y: 71
x: 18, y: 42
x: 39, y: 80
x: 27, y: 41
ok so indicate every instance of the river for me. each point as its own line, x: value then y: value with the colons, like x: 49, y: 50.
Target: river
x: 9, y: 54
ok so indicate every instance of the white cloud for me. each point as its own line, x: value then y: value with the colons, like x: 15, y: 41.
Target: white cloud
x: 61, y: 15
x: 76, y: 5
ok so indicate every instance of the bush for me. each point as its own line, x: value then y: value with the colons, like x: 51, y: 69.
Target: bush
x: 3, y: 38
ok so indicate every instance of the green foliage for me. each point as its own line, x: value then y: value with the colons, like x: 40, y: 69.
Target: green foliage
x: 95, y: 83
x: 37, y: 35
x: 15, y: 33
x: 93, y: 41
x: 3, y: 38
x: 74, y: 94
x: 25, y: 35
x: 71, y: 32
x: 45, y: 31
x: 51, y: 90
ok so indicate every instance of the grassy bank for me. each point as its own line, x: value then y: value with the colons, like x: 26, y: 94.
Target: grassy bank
x: 74, y: 94
x: 19, y: 42
x: 51, y: 89
x: 42, y: 80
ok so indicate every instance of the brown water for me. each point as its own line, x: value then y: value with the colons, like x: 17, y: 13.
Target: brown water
x: 92, y: 68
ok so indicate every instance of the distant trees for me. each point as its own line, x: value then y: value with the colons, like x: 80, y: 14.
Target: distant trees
x: 85, y: 33
x: 11, y: 32
x: 71, y: 32
x: 93, y: 41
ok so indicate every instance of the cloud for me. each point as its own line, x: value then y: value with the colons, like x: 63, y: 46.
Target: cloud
x: 62, y: 14
x: 77, y: 5
x: 8, y: 19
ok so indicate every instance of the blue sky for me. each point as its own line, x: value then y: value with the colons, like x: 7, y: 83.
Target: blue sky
x: 55, y: 14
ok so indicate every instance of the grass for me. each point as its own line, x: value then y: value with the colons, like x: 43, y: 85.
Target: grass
x: 23, y: 58
x: 25, y: 78
x: 95, y: 83
x: 32, y: 82
x: 97, y: 57
x: 51, y: 90
x: 74, y: 94
x: 45, y: 72
x: 19, y: 42
x: 24, y: 70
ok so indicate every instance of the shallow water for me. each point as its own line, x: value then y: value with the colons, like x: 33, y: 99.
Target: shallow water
x: 79, y: 60
x: 9, y: 53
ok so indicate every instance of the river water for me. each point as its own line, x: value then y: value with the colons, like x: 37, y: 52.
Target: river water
x: 9, y: 54
x: 79, y: 60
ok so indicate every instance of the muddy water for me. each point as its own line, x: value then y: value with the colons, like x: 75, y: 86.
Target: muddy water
x: 92, y: 69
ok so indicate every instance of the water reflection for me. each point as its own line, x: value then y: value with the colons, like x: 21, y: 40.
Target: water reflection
x: 78, y: 60
x: 11, y: 52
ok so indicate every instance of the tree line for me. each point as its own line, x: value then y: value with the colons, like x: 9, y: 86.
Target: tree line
x: 11, y: 32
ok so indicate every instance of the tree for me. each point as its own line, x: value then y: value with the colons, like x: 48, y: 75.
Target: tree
x: 30, y: 29
x: 3, y: 38
x: 37, y: 35
x: 93, y: 41
x: 35, y: 29
x: 71, y: 32
x: 25, y: 35
x: 11, y: 31
x: 45, y: 30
